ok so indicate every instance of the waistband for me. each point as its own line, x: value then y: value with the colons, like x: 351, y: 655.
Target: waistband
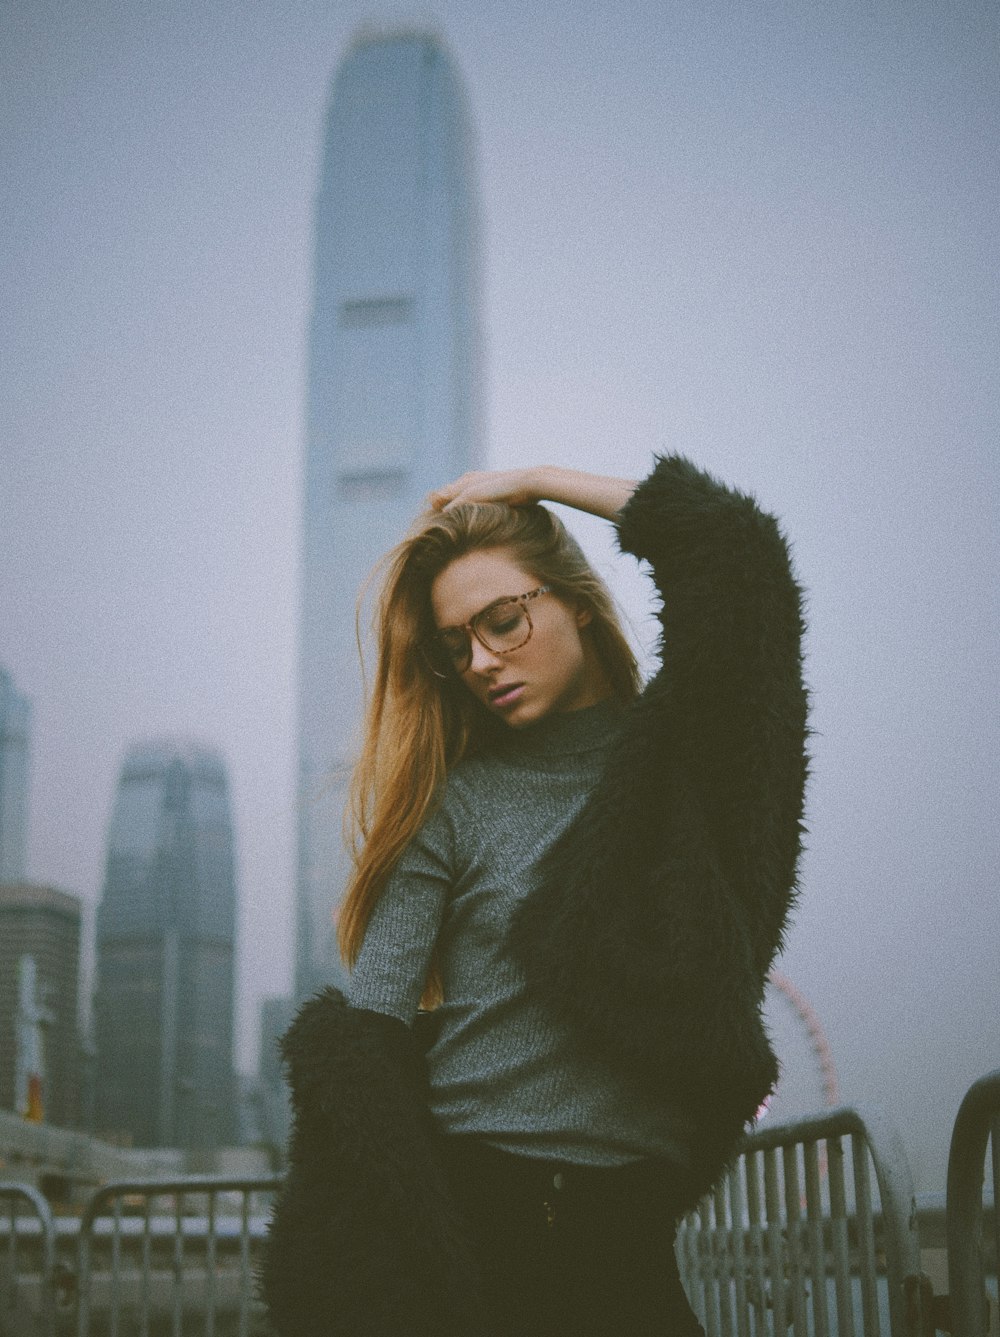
x: 506, y: 1171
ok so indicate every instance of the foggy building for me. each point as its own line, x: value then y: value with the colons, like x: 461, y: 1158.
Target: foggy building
x: 275, y: 1018
x: 41, y: 925
x: 393, y: 399
x: 15, y: 748
x: 165, y: 953
x: 275, y: 1111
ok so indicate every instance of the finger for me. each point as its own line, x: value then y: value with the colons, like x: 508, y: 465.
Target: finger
x: 442, y: 496
x: 439, y: 500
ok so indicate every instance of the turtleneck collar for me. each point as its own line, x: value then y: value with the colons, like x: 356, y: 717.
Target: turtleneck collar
x: 569, y: 732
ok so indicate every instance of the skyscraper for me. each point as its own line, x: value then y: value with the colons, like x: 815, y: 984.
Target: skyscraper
x: 165, y: 953
x: 42, y: 926
x: 393, y: 398
x: 15, y: 747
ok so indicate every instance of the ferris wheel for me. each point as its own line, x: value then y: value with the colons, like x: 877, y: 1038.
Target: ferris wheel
x: 808, y: 1080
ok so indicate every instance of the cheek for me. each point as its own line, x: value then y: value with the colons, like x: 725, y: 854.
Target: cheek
x: 570, y: 640
x: 561, y: 652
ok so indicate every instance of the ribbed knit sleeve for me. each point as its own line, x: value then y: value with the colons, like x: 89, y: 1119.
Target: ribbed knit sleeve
x: 391, y: 970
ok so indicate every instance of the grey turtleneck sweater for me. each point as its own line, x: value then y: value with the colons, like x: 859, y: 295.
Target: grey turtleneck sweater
x: 500, y: 1068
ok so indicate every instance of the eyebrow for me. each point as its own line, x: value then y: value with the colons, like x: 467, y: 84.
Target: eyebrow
x: 493, y: 603
x: 503, y: 599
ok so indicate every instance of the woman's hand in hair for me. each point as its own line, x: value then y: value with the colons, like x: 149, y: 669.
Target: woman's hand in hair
x: 594, y: 493
x: 516, y: 487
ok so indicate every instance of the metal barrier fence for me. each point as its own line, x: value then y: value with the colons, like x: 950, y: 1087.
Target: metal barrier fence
x: 813, y: 1232
x: 172, y: 1257
x: 791, y: 1238
x: 976, y: 1125
x: 27, y: 1271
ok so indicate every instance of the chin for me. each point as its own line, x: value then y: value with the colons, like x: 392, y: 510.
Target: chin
x: 531, y: 714
x: 520, y: 723
x: 521, y: 717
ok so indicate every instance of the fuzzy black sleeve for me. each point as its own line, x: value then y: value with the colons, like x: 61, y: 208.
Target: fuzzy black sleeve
x: 364, y: 1239
x: 729, y: 690
x: 659, y: 910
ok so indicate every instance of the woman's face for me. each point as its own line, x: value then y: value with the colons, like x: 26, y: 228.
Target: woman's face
x: 555, y: 670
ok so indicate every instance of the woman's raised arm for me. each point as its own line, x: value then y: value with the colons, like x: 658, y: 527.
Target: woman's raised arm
x: 594, y: 493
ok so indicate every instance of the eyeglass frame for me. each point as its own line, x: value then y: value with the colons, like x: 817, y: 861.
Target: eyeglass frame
x: 469, y: 628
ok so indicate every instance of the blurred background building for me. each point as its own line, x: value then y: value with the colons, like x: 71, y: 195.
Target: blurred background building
x: 166, y: 926
x: 40, y: 1054
x: 275, y: 1112
x: 15, y: 751
x: 394, y: 398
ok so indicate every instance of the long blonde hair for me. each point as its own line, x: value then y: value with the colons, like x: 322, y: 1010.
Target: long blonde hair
x: 417, y: 726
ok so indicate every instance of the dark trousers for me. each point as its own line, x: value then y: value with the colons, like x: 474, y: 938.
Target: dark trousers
x: 573, y: 1251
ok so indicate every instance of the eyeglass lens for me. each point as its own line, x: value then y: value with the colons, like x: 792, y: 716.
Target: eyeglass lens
x: 504, y: 626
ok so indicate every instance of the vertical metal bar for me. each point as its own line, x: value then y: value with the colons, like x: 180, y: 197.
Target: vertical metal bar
x: 775, y: 1244
x: 708, y: 1289
x: 964, y: 1214
x: 995, y: 1150
x: 47, y: 1266
x: 839, y: 1243
x: 865, y: 1226
x: 681, y: 1253
x: 245, y: 1275
x: 210, y: 1266
x: 692, y: 1270
x: 83, y: 1274
x: 756, y: 1240
x: 177, y: 1281
x: 146, y: 1263
x: 737, y: 1223
x: 817, y: 1253
x: 793, y: 1239
x: 48, y: 1269
x: 116, y: 1266
x: 723, y: 1262
x: 10, y: 1285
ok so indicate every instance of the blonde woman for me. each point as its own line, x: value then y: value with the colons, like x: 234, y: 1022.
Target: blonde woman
x: 584, y: 883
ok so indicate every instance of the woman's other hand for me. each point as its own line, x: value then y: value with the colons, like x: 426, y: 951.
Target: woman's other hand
x: 594, y: 493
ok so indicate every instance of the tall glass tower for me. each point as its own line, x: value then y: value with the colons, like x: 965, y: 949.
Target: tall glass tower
x: 15, y: 749
x: 166, y: 931
x: 393, y: 400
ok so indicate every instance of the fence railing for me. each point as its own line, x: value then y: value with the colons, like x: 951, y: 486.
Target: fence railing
x: 27, y: 1270
x: 794, y: 1239
x: 977, y: 1125
x: 174, y: 1256
x: 813, y: 1232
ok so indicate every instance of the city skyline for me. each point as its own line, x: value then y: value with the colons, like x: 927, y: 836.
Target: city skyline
x: 763, y: 236
x: 393, y: 401
x: 166, y: 925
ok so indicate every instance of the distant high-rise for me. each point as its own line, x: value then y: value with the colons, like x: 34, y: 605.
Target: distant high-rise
x: 15, y: 748
x: 274, y: 1110
x: 166, y: 953
x: 394, y: 399
x: 41, y: 925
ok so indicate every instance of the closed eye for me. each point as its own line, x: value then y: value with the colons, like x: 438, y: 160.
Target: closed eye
x: 504, y: 622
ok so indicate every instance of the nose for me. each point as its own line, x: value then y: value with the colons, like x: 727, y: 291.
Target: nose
x: 482, y: 660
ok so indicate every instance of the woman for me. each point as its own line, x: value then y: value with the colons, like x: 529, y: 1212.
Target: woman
x: 592, y: 882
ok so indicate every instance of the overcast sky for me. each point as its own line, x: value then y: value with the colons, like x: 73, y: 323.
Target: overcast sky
x: 764, y: 234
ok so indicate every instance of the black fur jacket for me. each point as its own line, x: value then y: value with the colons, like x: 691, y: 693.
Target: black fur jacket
x: 651, y: 934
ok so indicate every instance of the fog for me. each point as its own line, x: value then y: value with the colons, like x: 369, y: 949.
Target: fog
x: 763, y: 234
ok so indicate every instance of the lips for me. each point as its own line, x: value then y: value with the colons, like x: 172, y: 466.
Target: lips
x: 505, y: 695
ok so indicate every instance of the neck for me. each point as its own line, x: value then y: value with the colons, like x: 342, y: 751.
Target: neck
x: 567, y: 731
